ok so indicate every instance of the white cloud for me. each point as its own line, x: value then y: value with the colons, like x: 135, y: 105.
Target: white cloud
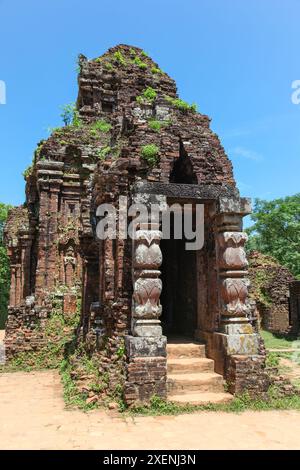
x: 245, y: 153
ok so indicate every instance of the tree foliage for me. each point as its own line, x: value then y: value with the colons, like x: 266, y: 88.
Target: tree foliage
x: 276, y: 230
x: 4, y: 268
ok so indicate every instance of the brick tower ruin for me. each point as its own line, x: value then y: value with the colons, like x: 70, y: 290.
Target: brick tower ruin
x: 133, y: 137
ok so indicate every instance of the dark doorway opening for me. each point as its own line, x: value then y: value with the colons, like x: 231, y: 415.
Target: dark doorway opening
x: 179, y: 291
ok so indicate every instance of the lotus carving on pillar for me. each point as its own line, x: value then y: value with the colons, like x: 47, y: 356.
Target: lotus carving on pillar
x: 146, y: 295
x: 234, y: 294
x: 148, y: 256
x: 232, y: 253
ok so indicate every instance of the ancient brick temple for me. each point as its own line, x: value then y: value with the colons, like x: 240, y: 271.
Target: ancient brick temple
x: 150, y: 291
x: 276, y: 293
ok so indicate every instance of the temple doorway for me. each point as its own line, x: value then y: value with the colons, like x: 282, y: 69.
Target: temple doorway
x: 179, y: 291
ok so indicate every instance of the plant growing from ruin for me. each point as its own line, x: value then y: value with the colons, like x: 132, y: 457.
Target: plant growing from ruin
x: 138, y: 61
x: 78, y: 66
x: 27, y: 172
x: 147, y: 96
x: 156, y: 125
x: 149, y: 153
x: 101, y: 153
x: 108, y: 66
x: 67, y: 113
x: 70, y: 115
x: 149, y: 93
x: 101, y: 126
x: 59, y: 332
x: 119, y: 58
x: 181, y: 105
x: 155, y: 70
x: 121, y: 350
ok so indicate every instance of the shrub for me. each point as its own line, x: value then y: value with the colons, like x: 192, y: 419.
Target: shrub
x: 108, y: 66
x: 76, y: 119
x: 70, y: 115
x: 101, y: 126
x: 148, y: 95
x: 103, y: 152
x: 27, y: 172
x: 156, y: 70
x: 181, y: 105
x: 137, y: 61
x: 119, y: 58
x: 67, y: 113
x: 157, y: 125
x: 150, y: 154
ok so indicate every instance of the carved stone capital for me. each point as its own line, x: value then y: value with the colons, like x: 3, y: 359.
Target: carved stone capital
x: 234, y: 292
x: 146, y: 296
x: 231, y: 250
x: 147, y: 253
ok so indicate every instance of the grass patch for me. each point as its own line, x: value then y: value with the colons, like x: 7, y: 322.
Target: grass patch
x: 241, y: 403
x: 72, y: 396
x: 273, y: 341
x: 156, y: 125
x: 138, y: 61
x: 101, y: 126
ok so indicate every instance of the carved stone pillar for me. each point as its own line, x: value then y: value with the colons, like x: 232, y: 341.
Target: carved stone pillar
x: 232, y: 264
x: 146, y: 347
x: 235, y: 346
x: 147, y: 259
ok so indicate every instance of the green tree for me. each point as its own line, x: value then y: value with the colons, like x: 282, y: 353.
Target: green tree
x: 276, y: 230
x: 4, y: 268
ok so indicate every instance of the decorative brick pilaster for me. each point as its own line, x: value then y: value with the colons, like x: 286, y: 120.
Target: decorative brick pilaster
x: 236, y: 339
x: 146, y: 348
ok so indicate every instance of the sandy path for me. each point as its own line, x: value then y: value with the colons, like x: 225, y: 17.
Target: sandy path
x: 32, y: 416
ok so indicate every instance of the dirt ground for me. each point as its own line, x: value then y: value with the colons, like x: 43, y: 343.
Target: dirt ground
x: 33, y: 416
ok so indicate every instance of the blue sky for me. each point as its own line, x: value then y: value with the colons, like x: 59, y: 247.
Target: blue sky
x: 236, y: 59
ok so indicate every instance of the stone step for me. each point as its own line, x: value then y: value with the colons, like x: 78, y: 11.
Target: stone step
x: 181, y: 350
x: 201, y: 382
x: 202, y: 398
x: 189, y: 364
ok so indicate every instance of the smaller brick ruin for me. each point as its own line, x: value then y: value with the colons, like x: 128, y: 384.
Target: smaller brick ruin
x: 274, y: 289
x: 135, y: 294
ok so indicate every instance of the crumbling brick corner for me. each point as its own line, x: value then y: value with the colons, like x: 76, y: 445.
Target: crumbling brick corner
x: 246, y: 374
x: 146, y: 377
x: 146, y: 369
